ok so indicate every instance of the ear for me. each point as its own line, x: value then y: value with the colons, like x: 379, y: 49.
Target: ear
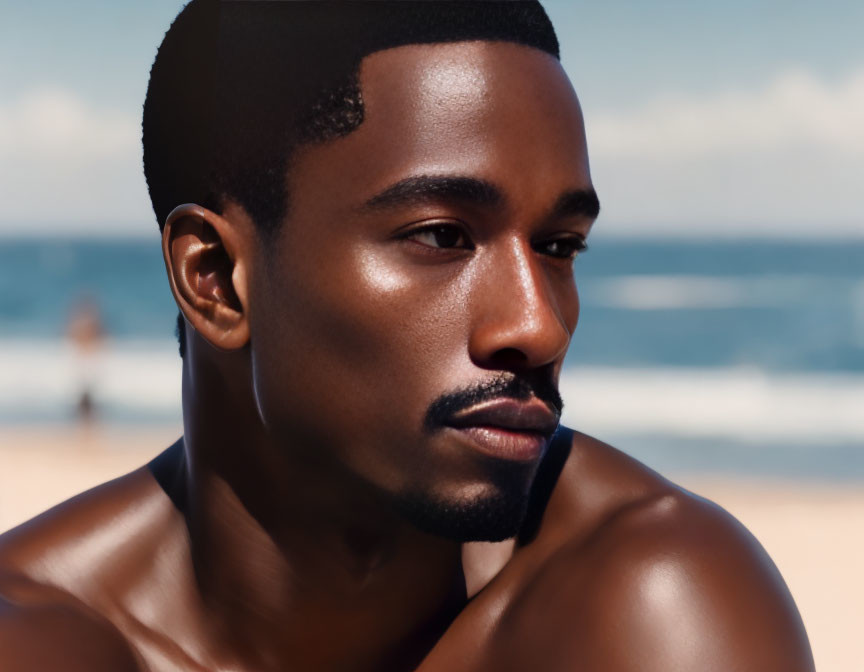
x: 206, y: 257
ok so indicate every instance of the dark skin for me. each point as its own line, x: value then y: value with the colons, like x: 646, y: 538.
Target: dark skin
x: 312, y: 360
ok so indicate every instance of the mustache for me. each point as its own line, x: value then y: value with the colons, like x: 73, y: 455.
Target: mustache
x: 442, y: 410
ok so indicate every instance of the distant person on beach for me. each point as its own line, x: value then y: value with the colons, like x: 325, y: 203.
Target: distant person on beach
x: 369, y: 214
x: 87, y: 336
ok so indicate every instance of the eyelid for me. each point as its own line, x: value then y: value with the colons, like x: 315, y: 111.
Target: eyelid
x: 410, y: 230
x: 426, y: 224
x: 569, y: 237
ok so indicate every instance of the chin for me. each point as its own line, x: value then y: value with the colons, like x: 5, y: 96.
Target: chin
x: 493, y: 512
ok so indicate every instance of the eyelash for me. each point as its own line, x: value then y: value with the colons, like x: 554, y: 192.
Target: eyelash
x: 577, y: 243
x: 433, y: 228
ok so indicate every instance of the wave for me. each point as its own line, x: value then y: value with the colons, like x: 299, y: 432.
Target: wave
x: 687, y: 292
x: 134, y: 379
x: 142, y: 379
x: 740, y: 404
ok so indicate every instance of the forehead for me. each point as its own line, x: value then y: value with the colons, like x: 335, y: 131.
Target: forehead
x: 498, y: 111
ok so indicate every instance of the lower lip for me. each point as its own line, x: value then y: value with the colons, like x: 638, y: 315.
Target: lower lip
x: 504, y: 443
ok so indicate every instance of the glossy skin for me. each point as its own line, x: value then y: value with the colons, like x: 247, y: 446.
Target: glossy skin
x: 312, y: 361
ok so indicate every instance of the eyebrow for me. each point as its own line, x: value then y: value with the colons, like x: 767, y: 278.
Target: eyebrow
x: 424, y: 188
x: 577, y: 203
x: 437, y: 187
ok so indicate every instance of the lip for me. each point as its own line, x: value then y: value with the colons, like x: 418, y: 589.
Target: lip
x: 507, y: 428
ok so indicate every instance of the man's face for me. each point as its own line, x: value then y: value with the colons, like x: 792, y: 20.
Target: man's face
x: 410, y: 320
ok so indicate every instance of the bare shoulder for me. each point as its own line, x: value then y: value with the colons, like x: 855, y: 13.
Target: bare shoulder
x: 75, y: 540
x: 659, y: 579
x: 43, y: 629
x: 64, y: 576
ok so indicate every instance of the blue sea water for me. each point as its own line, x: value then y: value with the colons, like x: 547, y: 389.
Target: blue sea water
x: 40, y: 280
x: 775, y: 305
x: 777, y: 327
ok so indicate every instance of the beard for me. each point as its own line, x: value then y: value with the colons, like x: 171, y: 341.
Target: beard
x: 499, y: 510
x: 495, y: 514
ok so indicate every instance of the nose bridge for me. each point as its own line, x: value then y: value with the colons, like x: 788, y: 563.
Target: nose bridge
x: 520, y: 309
x: 532, y: 296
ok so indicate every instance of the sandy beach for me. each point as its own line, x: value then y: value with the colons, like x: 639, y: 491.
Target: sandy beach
x: 812, y: 531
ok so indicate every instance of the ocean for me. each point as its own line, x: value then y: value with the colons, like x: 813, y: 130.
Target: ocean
x: 739, y: 356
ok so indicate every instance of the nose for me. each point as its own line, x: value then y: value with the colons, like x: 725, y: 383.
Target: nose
x: 525, y: 312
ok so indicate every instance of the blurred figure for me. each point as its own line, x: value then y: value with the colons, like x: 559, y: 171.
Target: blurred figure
x: 87, y: 336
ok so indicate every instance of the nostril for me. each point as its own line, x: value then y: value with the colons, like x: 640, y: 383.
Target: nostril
x: 507, y: 358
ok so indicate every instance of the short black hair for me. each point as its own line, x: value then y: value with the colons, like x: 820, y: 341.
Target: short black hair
x: 238, y: 85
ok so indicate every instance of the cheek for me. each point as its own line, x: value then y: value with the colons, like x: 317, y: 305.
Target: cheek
x: 355, y: 348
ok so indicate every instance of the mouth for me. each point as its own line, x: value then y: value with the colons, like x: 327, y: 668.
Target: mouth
x: 507, y: 429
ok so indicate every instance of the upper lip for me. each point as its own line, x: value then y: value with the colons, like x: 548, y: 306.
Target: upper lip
x: 510, y: 414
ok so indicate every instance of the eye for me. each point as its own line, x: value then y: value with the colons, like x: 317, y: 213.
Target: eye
x: 563, y: 248
x: 441, y: 236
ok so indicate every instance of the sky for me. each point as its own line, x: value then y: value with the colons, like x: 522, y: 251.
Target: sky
x: 703, y: 119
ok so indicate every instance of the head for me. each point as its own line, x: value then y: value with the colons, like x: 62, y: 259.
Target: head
x: 379, y: 206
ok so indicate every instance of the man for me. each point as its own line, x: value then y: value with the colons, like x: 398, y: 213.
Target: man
x: 369, y: 214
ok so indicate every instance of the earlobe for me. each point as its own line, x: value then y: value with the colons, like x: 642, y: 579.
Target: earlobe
x: 205, y: 259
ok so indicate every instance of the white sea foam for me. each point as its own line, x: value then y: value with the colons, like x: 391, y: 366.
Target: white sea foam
x: 45, y: 377
x: 143, y: 379
x: 684, y: 292
x: 742, y: 404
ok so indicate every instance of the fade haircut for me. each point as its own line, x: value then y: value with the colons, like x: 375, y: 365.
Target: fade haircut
x: 238, y: 85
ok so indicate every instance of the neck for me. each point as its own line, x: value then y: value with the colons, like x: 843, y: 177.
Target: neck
x: 291, y: 555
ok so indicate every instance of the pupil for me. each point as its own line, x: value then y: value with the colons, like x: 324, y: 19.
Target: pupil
x: 446, y: 237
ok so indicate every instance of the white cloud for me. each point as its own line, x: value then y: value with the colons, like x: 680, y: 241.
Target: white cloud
x: 794, y: 111
x: 54, y: 124
x: 786, y: 159
x: 70, y: 164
